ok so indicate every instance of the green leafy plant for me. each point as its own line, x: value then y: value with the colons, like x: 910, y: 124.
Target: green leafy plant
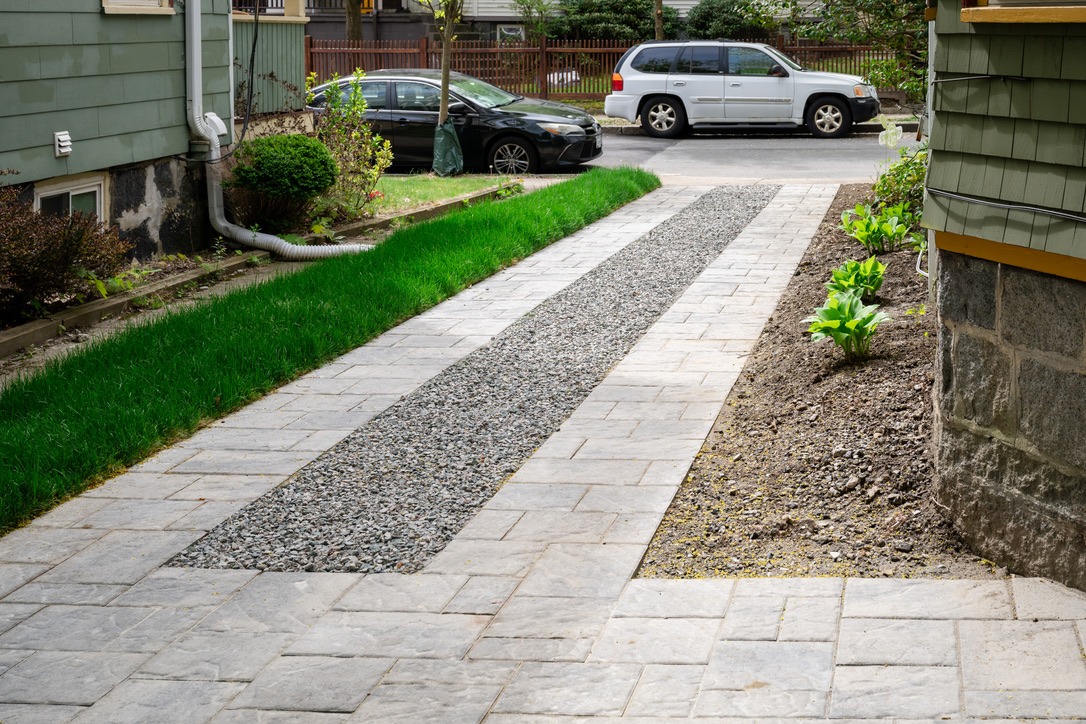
x: 285, y: 166
x: 866, y: 277
x: 274, y: 180
x: 362, y: 155
x: 322, y: 227
x: 878, y: 232
x: 623, y: 20
x: 42, y: 257
x: 846, y: 320
x: 124, y: 281
x: 711, y: 19
x: 903, y: 180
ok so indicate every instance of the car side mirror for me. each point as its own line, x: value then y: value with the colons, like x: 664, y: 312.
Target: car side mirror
x: 458, y: 108
x: 777, y: 71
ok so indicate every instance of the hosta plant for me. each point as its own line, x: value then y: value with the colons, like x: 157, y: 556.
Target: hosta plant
x: 846, y: 320
x: 877, y: 232
x: 863, y: 276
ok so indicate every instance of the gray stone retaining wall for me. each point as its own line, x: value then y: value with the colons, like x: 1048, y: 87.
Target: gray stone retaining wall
x: 1011, y: 403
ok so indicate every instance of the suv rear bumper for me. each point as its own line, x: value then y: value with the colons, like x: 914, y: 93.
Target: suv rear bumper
x: 616, y: 106
x: 863, y: 109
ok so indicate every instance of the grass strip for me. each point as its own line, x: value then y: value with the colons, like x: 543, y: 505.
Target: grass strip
x: 94, y: 412
x: 404, y: 193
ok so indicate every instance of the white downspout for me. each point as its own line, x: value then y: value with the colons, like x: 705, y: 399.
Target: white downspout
x: 194, y: 84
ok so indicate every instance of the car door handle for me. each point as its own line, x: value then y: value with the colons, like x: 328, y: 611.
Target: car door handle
x: 679, y: 82
x: 735, y: 84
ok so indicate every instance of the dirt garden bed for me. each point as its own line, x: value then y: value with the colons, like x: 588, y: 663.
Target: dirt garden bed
x: 816, y: 467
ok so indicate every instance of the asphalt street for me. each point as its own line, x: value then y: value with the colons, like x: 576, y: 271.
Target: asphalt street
x: 749, y: 158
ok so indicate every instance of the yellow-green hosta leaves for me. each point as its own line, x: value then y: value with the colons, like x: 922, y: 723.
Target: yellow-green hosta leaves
x: 865, y: 276
x: 846, y: 320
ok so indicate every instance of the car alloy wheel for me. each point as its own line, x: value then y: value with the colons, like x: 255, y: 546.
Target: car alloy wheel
x: 511, y: 157
x: 662, y: 117
x: 828, y: 118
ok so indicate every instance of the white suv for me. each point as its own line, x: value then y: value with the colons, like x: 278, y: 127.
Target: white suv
x: 715, y: 84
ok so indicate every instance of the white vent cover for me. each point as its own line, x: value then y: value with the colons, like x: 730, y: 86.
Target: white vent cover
x: 62, y: 144
x: 216, y: 123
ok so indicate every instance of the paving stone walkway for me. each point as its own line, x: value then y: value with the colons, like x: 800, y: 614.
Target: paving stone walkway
x: 530, y: 614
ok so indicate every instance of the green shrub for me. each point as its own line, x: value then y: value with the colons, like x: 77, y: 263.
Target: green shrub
x: 285, y: 166
x: 43, y: 258
x: 903, y: 181
x: 275, y: 179
x: 865, y: 277
x: 846, y: 320
x: 712, y: 19
x: 625, y: 20
x: 362, y: 156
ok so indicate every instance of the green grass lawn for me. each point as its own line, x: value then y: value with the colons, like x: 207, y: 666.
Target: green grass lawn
x: 89, y: 415
x: 404, y: 193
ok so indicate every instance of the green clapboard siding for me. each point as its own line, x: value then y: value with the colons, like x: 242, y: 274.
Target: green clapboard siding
x: 1017, y: 138
x: 280, y: 51
x: 115, y: 82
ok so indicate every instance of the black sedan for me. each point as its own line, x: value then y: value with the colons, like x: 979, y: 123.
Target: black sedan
x: 499, y: 131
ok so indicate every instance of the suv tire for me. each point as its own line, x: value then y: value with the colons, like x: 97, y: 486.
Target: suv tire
x: 663, y: 117
x: 828, y: 117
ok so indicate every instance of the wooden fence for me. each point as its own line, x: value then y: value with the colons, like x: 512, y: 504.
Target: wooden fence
x: 571, y: 69
x: 548, y: 68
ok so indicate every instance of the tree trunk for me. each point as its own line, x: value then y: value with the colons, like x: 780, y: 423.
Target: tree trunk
x: 452, y: 10
x: 446, y: 65
x: 658, y: 15
x: 353, y: 8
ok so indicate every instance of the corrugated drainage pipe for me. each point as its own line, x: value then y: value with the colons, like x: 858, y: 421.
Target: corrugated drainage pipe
x: 194, y: 75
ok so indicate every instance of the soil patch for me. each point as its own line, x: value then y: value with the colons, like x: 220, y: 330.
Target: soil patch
x: 816, y: 467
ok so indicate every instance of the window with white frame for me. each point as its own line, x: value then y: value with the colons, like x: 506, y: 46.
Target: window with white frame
x: 63, y: 198
x: 510, y: 33
x: 138, y: 7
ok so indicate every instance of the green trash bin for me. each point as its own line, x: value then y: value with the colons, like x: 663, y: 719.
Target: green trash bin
x: 448, y: 156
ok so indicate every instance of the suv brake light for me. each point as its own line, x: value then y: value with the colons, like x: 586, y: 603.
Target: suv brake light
x: 616, y: 82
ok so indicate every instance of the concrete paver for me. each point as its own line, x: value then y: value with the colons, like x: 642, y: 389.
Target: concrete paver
x: 530, y: 614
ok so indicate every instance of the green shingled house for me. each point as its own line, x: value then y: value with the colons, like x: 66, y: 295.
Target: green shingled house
x: 93, y: 108
x: 1006, y: 198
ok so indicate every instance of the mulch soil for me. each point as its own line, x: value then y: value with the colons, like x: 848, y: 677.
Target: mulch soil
x: 816, y: 467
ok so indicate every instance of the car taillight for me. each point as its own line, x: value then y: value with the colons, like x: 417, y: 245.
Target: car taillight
x: 616, y: 82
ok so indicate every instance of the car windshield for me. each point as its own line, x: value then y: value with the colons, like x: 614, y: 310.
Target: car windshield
x: 481, y: 94
x: 787, y: 61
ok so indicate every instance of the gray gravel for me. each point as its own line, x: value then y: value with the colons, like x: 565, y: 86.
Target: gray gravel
x: 396, y: 491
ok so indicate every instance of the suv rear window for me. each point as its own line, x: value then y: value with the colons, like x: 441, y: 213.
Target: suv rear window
x: 655, y: 60
x: 699, y: 60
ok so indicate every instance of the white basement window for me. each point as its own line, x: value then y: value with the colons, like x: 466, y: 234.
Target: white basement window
x: 138, y: 7
x: 64, y: 198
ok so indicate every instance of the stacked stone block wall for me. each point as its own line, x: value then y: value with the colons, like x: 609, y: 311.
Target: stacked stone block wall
x: 1011, y: 404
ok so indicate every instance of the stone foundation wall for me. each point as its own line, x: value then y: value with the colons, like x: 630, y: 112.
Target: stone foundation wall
x: 1011, y: 410
x: 161, y: 207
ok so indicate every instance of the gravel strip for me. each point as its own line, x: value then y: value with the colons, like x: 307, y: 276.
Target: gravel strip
x: 397, y: 490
